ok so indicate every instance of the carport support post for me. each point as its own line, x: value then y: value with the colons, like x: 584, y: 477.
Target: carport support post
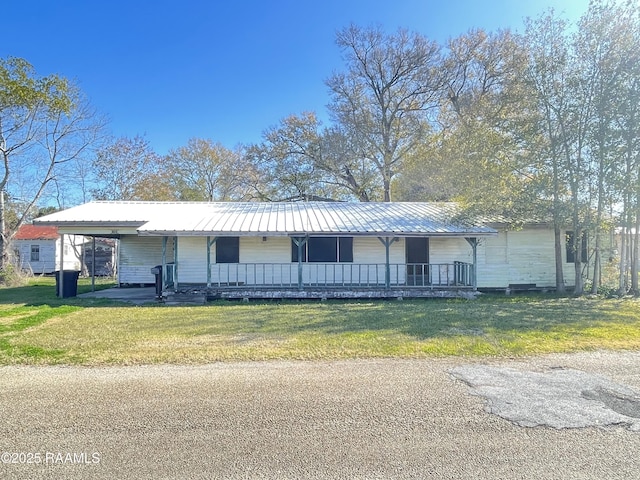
x: 474, y: 268
x: 210, y: 243
x: 61, y: 271
x: 93, y: 264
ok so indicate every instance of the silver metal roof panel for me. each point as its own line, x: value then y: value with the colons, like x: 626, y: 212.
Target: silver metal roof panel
x: 269, y: 218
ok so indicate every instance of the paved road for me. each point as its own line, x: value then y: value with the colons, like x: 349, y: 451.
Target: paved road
x: 349, y: 419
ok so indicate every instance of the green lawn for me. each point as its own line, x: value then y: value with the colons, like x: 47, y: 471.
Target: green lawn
x: 38, y: 328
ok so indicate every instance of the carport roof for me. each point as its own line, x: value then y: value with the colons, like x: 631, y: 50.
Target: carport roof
x: 269, y: 218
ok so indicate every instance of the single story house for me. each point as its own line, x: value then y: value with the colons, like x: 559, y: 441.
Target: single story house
x: 36, y: 248
x: 312, y: 249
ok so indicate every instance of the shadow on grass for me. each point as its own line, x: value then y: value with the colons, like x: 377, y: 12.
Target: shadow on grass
x: 42, y: 292
x: 420, y: 319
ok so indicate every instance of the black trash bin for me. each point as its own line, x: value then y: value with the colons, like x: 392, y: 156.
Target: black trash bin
x: 69, y: 282
x: 157, y: 271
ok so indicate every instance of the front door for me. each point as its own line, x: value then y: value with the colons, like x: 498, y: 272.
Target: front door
x: 417, y: 255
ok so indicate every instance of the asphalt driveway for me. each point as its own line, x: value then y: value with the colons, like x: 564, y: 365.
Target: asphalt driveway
x: 347, y: 419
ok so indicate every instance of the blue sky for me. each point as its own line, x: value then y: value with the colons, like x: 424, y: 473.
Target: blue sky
x: 226, y: 71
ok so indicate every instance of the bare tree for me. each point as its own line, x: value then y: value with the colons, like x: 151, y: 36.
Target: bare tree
x: 123, y: 169
x: 204, y: 170
x: 300, y: 159
x: 382, y: 99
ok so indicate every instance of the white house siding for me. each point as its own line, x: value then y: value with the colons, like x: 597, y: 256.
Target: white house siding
x: 47, y: 261
x: 448, y: 250
x: 268, y: 262
x: 524, y: 256
x: 49, y: 256
x: 192, y: 259
x: 370, y: 250
x: 443, y: 252
x: 270, y: 250
x: 137, y: 255
x: 512, y: 257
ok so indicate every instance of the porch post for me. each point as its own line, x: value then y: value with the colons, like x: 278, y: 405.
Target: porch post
x: 300, y: 243
x: 164, y: 262
x: 175, y: 263
x: 474, y: 268
x: 209, y: 245
x: 387, y: 241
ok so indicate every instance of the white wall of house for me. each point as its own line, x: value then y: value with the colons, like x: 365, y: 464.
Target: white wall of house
x: 524, y: 256
x: 512, y: 257
x: 47, y: 259
x: 138, y: 255
x: 268, y: 261
x: 192, y: 259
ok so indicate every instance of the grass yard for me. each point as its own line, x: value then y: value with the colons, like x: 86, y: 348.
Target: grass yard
x: 38, y: 328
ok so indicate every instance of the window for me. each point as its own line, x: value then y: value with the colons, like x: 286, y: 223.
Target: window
x: 345, y: 249
x: 35, y: 253
x: 324, y: 250
x: 571, y: 258
x: 228, y: 250
x: 417, y: 249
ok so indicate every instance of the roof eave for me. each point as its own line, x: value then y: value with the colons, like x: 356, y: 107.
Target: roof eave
x: 135, y: 224
x: 190, y: 233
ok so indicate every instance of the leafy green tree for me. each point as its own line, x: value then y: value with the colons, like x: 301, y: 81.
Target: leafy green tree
x: 45, y: 125
x: 473, y: 156
x: 551, y: 127
x: 606, y: 59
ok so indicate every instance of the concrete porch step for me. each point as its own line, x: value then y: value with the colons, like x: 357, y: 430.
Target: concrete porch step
x: 181, y: 298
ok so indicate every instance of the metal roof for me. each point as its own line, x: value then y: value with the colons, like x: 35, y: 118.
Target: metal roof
x: 34, y: 232
x: 269, y: 218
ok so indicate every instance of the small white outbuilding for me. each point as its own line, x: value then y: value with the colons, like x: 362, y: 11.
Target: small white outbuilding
x: 36, y: 248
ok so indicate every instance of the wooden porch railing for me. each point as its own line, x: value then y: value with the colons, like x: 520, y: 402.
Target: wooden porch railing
x: 340, y: 275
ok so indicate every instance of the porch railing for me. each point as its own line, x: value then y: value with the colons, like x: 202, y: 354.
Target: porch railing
x: 341, y: 275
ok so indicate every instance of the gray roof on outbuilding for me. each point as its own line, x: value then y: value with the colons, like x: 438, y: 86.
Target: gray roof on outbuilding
x: 270, y: 218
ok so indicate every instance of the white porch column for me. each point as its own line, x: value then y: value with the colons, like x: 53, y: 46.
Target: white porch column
x: 474, y: 268
x: 210, y: 243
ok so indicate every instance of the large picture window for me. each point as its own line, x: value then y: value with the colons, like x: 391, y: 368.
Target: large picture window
x: 324, y: 250
x: 228, y: 250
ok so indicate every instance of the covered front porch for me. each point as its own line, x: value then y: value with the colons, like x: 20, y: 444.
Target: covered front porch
x: 302, y: 277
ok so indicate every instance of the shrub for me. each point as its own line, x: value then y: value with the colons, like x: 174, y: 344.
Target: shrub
x: 10, y: 276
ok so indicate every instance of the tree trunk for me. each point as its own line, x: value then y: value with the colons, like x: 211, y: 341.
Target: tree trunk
x: 597, y: 268
x: 387, y: 190
x: 4, y: 256
x: 634, y: 256
x: 557, y: 233
x: 622, y: 284
x: 577, y: 260
x: 579, y: 283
